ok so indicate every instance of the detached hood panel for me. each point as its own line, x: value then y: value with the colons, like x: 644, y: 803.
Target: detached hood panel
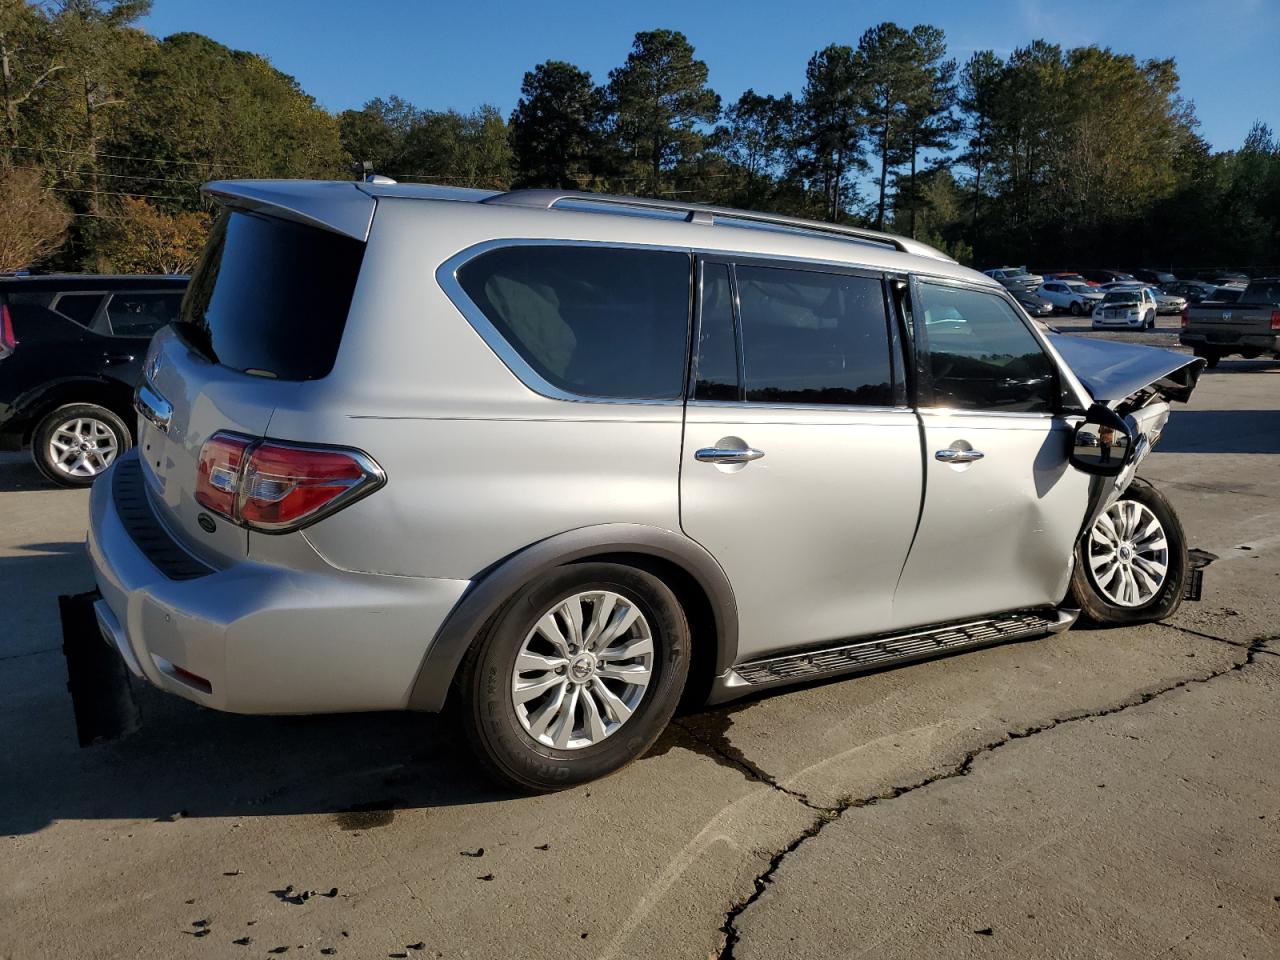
x: 1113, y: 371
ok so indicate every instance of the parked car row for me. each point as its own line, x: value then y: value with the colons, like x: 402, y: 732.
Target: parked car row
x: 1146, y: 293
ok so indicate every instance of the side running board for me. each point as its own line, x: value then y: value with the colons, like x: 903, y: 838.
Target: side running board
x: 868, y: 654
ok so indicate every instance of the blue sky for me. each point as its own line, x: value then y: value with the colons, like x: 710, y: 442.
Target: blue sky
x: 461, y: 55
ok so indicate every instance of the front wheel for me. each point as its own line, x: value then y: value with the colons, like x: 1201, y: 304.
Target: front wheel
x: 74, y: 443
x: 1076, y: 308
x: 575, y: 677
x: 1131, y: 566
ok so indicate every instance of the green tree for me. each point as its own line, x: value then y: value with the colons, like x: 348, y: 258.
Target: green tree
x: 831, y: 130
x: 657, y: 99
x: 755, y: 137
x: 928, y: 123
x: 884, y: 59
x: 29, y: 60
x: 979, y: 85
x: 556, y: 125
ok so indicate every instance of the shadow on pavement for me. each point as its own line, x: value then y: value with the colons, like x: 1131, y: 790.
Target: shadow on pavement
x: 1222, y: 431
x: 356, y: 769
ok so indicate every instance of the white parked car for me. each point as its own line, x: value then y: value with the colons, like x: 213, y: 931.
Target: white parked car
x: 1126, y: 306
x: 1079, y: 298
x: 1165, y: 302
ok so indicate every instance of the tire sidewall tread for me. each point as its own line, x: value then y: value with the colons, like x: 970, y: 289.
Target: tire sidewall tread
x: 1096, y: 608
x: 70, y: 411
x: 482, y: 689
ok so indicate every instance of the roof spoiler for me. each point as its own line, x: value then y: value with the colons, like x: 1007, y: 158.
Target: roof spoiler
x: 336, y: 206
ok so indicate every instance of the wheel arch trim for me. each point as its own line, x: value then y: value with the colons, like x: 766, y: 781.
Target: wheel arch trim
x: 492, y: 587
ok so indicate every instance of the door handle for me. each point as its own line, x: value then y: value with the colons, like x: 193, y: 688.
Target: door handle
x: 951, y: 455
x: 112, y: 358
x: 728, y: 455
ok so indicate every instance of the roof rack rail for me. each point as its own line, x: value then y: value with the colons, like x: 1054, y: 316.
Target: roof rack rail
x: 546, y: 199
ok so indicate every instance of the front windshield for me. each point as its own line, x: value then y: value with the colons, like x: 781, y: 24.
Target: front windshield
x: 1121, y: 296
x: 1080, y: 287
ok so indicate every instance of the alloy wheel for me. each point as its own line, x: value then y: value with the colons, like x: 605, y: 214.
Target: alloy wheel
x: 82, y: 447
x: 1128, y: 554
x: 582, y: 670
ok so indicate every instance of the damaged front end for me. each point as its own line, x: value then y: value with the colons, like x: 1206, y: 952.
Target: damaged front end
x: 1137, y: 384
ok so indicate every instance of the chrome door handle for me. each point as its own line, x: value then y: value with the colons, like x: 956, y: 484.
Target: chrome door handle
x: 728, y: 455
x: 958, y: 456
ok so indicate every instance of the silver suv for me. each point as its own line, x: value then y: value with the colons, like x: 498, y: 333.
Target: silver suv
x: 557, y: 461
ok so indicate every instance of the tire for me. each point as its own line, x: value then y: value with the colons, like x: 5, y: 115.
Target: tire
x: 1151, y: 321
x: 1076, y: 308
x: 1210, y: 357
x: 506, y: 736
x: 1099, y: 603
x: 103, y: 437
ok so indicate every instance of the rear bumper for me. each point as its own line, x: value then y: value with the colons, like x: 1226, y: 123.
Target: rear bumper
x: 262, y: 638
x: 1231, y: 342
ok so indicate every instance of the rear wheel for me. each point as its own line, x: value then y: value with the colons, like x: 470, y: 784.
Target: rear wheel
x: 74, y: 443
x: 1131, y: 565
x: 1210, y: 357
x: 575, y: 677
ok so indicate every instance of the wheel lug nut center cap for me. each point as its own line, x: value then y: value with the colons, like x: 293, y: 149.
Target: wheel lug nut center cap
x: 582, y: 668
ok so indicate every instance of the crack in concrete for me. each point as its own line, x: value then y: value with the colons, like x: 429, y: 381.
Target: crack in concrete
x: 751, y: 771
x: 829, y: 815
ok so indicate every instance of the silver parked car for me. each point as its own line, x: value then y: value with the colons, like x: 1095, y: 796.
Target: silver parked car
x: 557, y: 460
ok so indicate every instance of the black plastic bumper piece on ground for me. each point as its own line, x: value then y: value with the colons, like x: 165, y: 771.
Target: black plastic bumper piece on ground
x: 97, y: 678
x: 1199, y: 559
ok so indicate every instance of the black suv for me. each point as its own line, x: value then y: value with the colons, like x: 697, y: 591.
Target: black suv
x: 71, y: 352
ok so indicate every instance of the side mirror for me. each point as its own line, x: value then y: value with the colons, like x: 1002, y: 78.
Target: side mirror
x: 1101, y: 445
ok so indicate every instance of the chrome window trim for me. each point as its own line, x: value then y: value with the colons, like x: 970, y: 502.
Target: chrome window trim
x: 447, y: 277
x: 798, y: 407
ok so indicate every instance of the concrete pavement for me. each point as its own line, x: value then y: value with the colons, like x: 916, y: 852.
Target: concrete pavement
x: 898, y: 814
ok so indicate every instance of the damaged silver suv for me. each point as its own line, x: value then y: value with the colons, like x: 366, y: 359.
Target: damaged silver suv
x: 557, y: 461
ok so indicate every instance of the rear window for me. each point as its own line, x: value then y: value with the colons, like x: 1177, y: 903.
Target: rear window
x: 592, y: 321
x: 271, y: 297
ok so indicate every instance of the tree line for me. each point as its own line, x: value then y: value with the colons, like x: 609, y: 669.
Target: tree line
x: 1082, y: 156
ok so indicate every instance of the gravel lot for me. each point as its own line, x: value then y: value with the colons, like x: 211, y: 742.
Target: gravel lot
x: 1096, y: 794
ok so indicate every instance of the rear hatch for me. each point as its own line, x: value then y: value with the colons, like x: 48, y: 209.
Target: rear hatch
x: 265, y: 312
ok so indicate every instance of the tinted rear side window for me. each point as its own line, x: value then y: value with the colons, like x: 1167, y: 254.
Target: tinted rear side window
x: 592, y: 321
x: 271, y: 297
x: 142, y: 314
x: 80, y: 307
x: 811, y: 337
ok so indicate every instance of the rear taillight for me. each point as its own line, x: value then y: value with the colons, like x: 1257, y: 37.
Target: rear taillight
x: 8, y: 342
x: 1275, y: 319
x: 1185, y: 311
x: 278, y: 487
x: 218, y: 472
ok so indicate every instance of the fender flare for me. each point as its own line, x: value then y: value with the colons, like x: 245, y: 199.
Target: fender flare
x: 491, y: 588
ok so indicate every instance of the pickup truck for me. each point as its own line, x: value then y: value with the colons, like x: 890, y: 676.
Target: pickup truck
x: 1249, y: 326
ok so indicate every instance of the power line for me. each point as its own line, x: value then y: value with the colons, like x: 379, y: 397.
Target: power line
x: 114, y: 176
x: 117, y: 193
x: 117, y: 156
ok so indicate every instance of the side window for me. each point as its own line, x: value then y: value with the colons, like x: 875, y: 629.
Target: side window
x: 589, y: 320
x: 810, y: 337
x: 981, y: 354
x: 142, y: 314
x: 80, y: 307
x: 716, y: 373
